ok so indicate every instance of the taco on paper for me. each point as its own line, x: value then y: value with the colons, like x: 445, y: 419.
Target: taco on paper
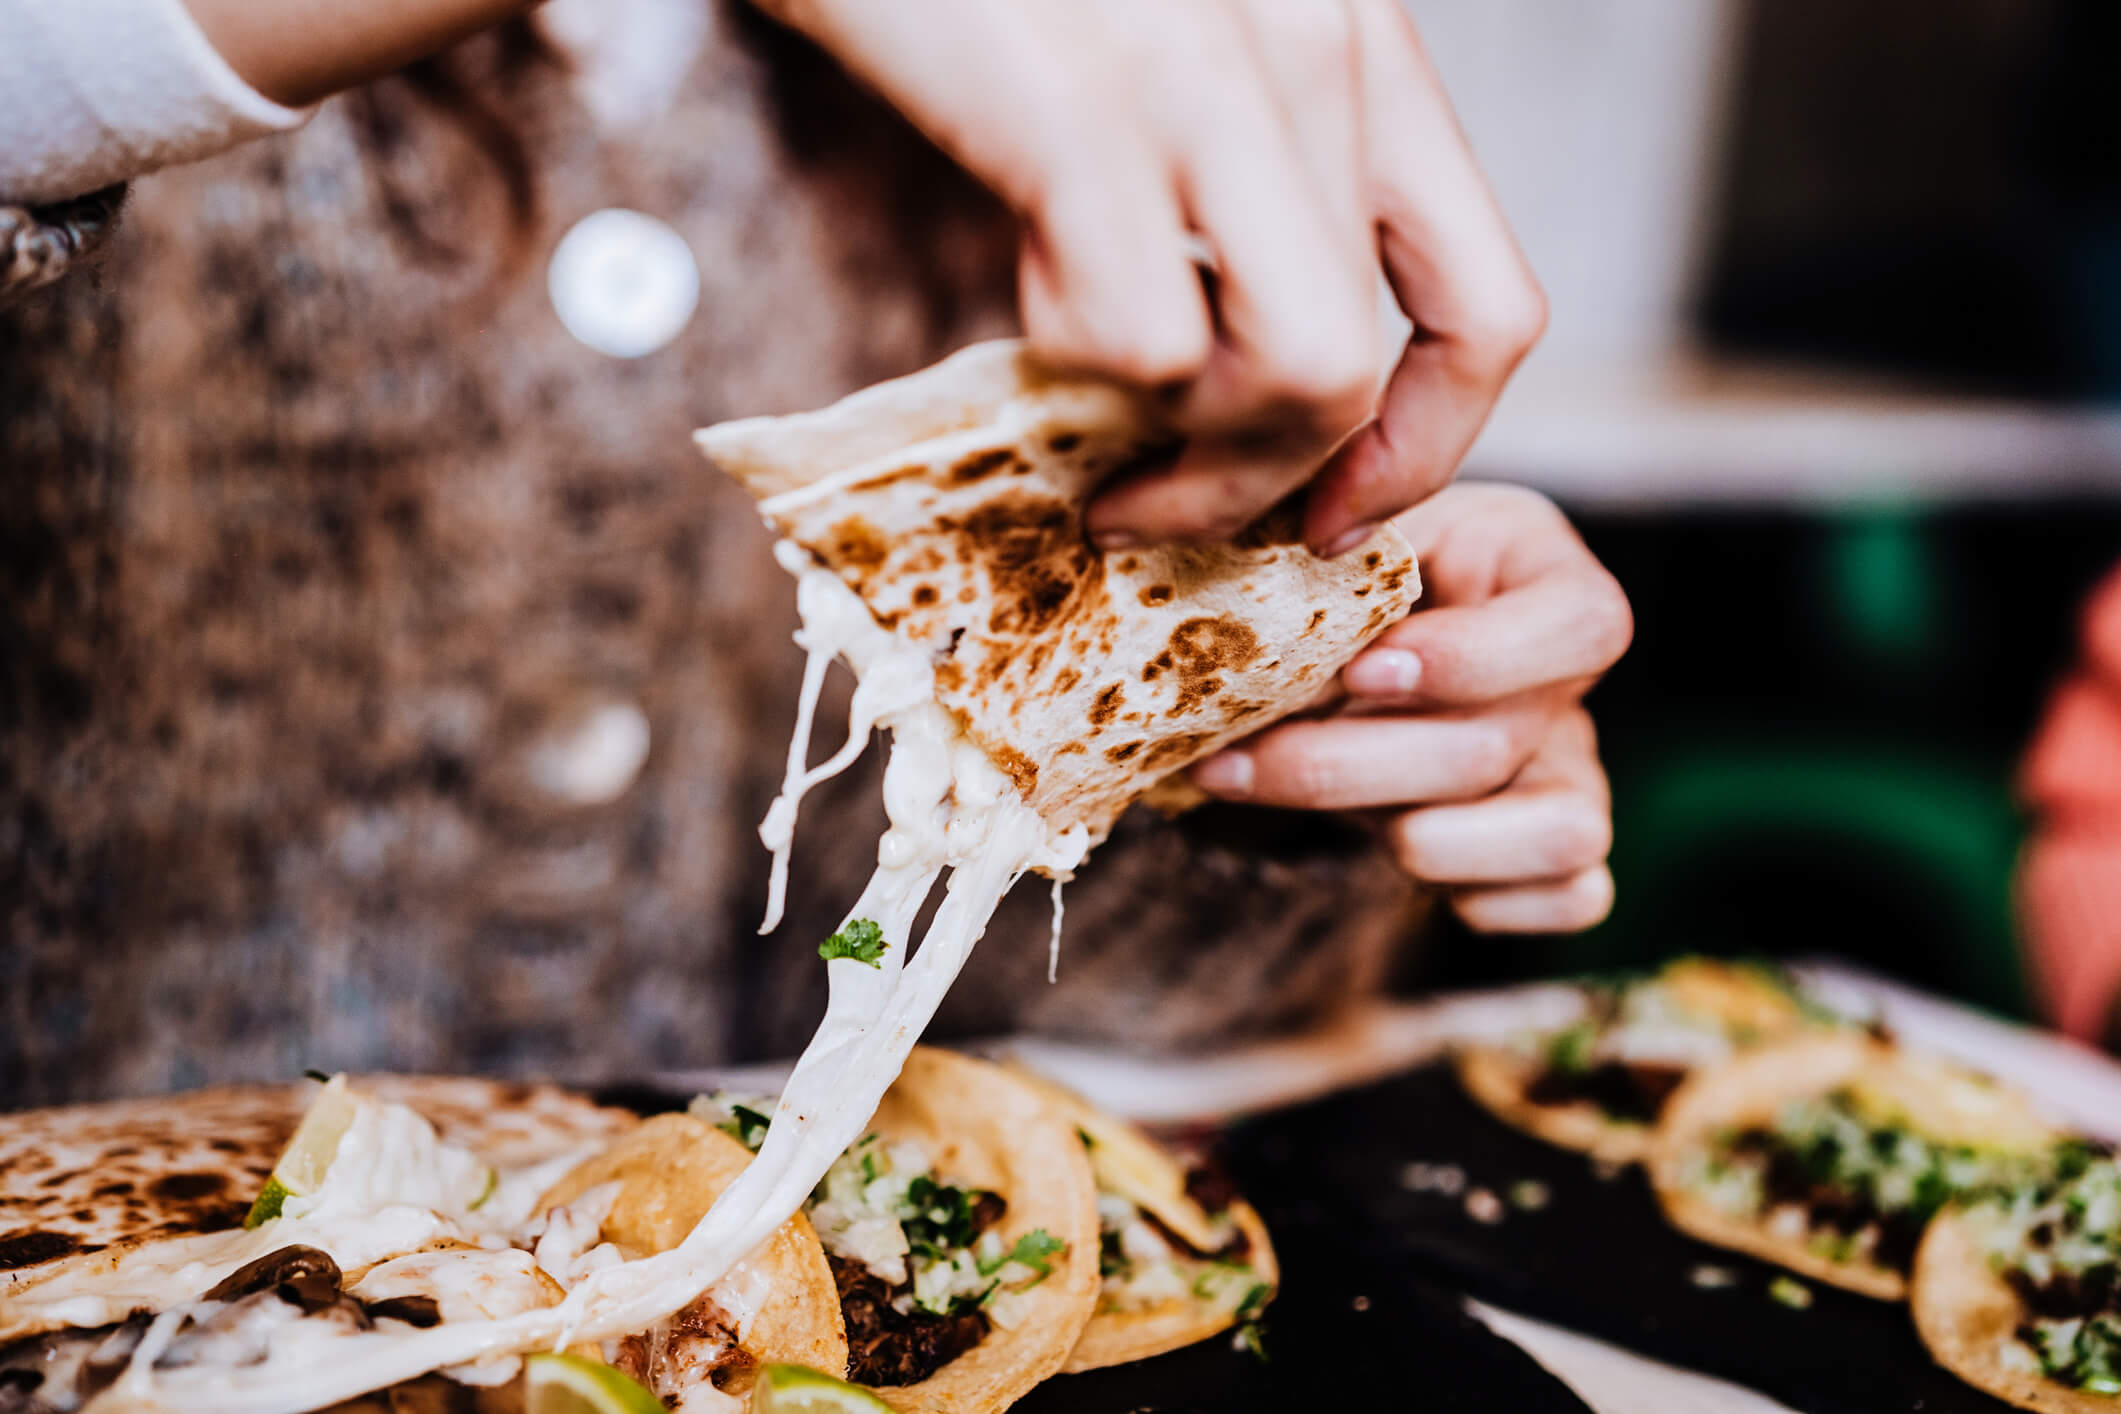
x: 1830, y: 1154
x: 1181, y: 1255
x: 961, y: 1231
x: 162, y: 1253
x: 2019, y: 1293
x: 1599, y: 1084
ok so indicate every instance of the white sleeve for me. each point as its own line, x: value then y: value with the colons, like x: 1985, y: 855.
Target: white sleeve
x: 95, y: 91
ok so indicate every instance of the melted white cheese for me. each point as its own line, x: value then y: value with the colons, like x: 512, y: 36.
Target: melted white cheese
x: 949, y: 808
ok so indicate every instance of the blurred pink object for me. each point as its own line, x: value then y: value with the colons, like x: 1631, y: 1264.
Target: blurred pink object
x: 2069, y: 879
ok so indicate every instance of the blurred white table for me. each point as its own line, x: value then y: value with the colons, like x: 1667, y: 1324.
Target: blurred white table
x: 1706, y: 433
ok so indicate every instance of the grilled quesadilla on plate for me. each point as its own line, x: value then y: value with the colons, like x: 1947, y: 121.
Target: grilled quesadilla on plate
x: 219, y: 1254
x: 2019, y: 1293
x: 1830, y: 1154
x: 1598, y: 1084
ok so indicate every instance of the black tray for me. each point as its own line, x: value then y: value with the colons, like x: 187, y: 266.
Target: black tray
x: 1597, y: 1257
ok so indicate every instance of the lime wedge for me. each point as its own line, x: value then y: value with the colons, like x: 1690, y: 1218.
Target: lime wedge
x: 798, y: 1389
x: 569, y: 1384
x: 300, y: 1171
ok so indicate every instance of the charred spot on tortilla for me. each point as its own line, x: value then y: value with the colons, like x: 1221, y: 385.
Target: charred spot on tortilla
x: 1037, y: 562
x: 1064, y: 442
x: 1192, y: 692
x: 1318, y: 616
x: 27, y: 1249
x: 1156, y: 594
x: 1175, y: 749
x: 1021, y: 770
x: 980, y: 465
x: 1110, y: 699
x: 1124, y: 752
x: 186, y: 1186
x: 1201, y: 646
x: 925, y: 596
x: 859, y: 545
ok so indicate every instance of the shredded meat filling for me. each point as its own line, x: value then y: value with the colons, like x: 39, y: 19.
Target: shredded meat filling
x: 889, y: 1347
x: 1624, y: 1090
x: 1829, y: 1207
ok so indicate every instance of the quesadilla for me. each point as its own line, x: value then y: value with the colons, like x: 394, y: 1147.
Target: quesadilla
x: 232, y: 1250
x: 961, y: 1230
x: 1599, y: 1084
x: 2019, y: 1293
x: 1181, y: 1256
x: 1830, y: 1154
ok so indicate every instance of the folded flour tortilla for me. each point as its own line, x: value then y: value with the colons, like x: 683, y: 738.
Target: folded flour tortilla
x: 951, y: 502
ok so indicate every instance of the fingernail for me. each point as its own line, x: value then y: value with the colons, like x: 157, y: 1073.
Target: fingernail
x: 1387, y: 672
x: 1346, y: 541
x: 1228, y: 774
x: 1115, y: 539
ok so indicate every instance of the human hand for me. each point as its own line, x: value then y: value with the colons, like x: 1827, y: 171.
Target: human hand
x: 1309, y: 145
x: 1461, y: 730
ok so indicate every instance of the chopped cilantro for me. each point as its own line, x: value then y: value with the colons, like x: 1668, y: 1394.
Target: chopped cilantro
x: 1252, y: 1340
x: 939, y: 1218
x: 1570, y: 1050
x: 1255, y: 1302
x: 1084, y: 1135
x: 1032, y: 1249
x: 861, y: 940
x: 747, y: 1126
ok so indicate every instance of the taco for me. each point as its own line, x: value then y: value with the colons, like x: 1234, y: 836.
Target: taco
x: 777, y: 1306
x: 961, y: 1230
x: 1181, y: 1256
x: 2019, y: 1293
x: 216, y: 1250
x: 1599, y: 1084
x: 1830, y: 1154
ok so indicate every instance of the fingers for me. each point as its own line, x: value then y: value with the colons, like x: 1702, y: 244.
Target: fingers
x: 1454, y: 269
x: 1270, y: 168
x: 1553, y: 821
x: 1567, y: 627
x: 1104, y: 277
x: 1530, y: 859
x: 1568, y: 906
x: 1357, y: 763
x: 1519, y: 602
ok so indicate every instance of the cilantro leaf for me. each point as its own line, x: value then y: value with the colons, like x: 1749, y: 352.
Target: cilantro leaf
x: 1032, y: 1249
x: 861, y: 940
x: 747, y: 1126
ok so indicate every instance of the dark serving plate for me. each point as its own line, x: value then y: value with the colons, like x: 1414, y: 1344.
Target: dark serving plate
x: 1596, y: 1257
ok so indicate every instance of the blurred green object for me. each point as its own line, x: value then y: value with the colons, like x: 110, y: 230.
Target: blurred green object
x: 1884, y: 586
x: 1898, y: 859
